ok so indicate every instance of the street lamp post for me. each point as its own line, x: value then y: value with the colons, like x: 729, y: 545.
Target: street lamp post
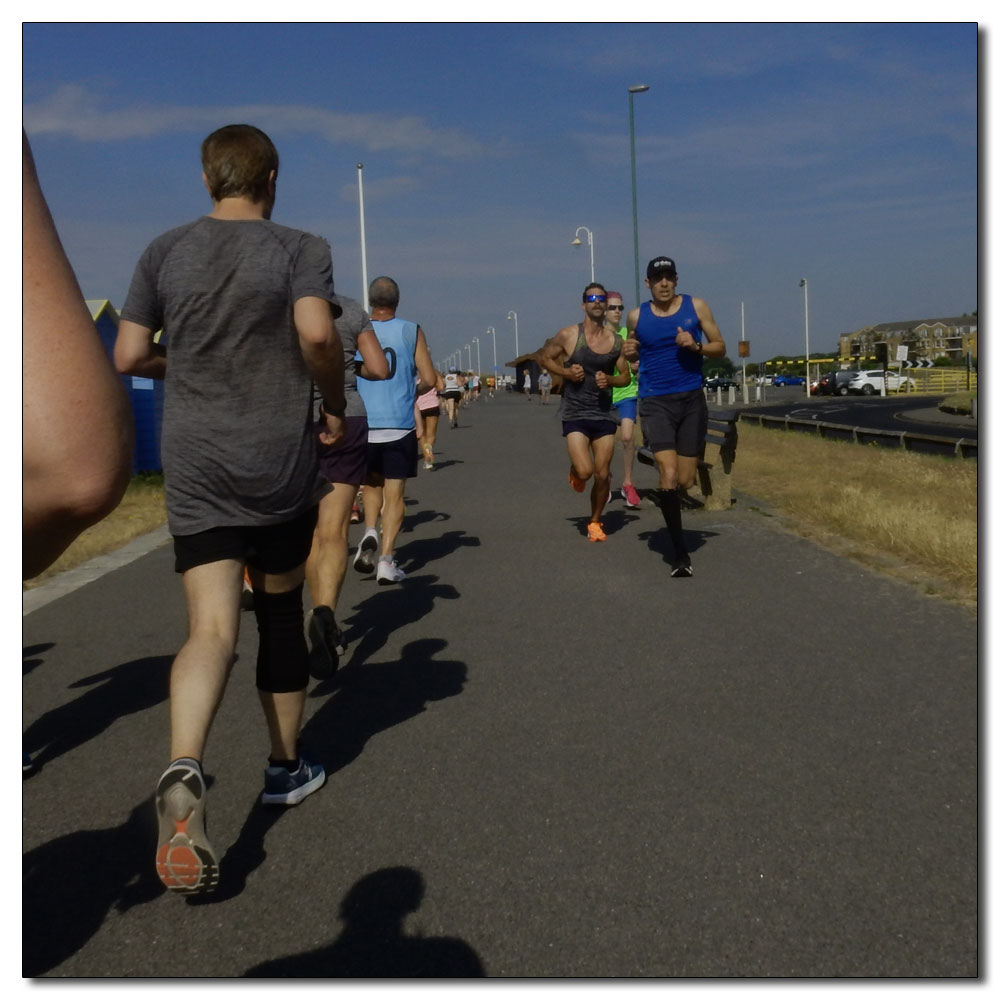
x: 517, y: 350
x: 468, y: 347
x: 637, y: 89
x: 479, y: 360
x: 804, y: 285
x: 364, y: 256
x: 490, y: 330
x: 590, y: 242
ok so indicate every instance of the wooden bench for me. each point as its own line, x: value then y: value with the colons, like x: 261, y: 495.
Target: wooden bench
x: 715, y: 465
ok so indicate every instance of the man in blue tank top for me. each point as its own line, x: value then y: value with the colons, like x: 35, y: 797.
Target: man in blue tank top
x: 669, y: 336
x: 593, y: 367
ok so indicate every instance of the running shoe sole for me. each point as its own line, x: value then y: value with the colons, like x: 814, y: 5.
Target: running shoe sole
x: 364, y: 561
x: 185, y: 860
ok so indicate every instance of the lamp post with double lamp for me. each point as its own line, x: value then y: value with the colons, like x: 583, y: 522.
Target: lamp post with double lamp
x: 590, y: 242
x: 517, y: 350
x: 479, y: 361
x: 468, y: 347
x: 639, y: 88
x: 804, y: 285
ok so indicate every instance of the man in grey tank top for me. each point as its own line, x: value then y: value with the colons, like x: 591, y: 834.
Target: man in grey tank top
x: 246, y: 310
x: 594, y: 364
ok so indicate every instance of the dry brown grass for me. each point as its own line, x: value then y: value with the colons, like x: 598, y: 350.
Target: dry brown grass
x: 913, y: 516
x: 140, y: 511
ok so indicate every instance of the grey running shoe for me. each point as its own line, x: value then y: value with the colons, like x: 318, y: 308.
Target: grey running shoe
x: 364, y: 560
x: 389, y: 572
x: 289, y: 788
x: 327, y: 642
x: 185, y: 860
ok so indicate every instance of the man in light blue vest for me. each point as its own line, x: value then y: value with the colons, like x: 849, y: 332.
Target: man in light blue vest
x: 392, y: 434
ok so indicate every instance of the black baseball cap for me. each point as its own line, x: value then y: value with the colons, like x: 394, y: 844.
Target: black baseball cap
x: 661, y: 265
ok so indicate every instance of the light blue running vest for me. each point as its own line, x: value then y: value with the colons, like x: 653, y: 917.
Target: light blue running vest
x: 389, y: 402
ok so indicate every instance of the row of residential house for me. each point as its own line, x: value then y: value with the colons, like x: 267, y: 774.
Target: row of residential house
x: 954, y: 337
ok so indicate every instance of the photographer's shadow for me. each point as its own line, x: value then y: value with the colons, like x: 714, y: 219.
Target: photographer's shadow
x: 374, y: 944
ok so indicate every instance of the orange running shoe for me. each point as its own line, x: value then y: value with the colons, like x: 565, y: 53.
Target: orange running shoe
x: 595, y: 532
x: 576, y: 482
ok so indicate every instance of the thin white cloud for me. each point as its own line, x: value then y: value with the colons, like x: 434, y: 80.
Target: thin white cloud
x: 73, y: 110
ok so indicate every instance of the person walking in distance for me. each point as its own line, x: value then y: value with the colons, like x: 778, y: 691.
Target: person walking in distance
x: 670, y: 336
x: 344, y: 466
x: 593, y: 365
x: 453, y: 383
x: 392, y: 435
x: 247, y: 312
x: 544, y: 386
x: 624, y: 400
x: 527, y: 384
x: 429, y: 412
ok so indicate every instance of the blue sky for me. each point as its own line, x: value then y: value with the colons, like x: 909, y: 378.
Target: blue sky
x: 843, y: 153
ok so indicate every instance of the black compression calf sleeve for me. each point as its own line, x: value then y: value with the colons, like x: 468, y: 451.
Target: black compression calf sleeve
x: 669, y: 502
x: 282, y: 656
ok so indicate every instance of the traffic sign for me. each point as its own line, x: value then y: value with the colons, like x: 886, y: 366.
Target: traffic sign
x: 921, y: 363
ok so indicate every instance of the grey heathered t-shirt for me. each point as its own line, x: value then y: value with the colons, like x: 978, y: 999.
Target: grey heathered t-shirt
x: 237, y: 445
x: 350, y: 325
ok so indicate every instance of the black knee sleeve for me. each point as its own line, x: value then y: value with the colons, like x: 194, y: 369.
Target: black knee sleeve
x: 282, y: 656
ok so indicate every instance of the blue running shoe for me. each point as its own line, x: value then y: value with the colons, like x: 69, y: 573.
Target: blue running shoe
x: 288, y: 788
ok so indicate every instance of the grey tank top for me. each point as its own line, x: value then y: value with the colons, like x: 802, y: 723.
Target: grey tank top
x: 584, y: 400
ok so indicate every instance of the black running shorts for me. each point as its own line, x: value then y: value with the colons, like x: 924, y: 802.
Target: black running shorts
x: 675, y: 422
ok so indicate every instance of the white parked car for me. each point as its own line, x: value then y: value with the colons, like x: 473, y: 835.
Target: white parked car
x: 870, y: 383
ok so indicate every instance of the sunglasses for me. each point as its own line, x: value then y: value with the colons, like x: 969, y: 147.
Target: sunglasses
x: 597, y: 298
x: 616, y: 307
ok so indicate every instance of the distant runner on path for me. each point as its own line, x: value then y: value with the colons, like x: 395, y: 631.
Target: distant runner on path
x: 594, y: 365
x: 669, y: 336
x: 623, y: 398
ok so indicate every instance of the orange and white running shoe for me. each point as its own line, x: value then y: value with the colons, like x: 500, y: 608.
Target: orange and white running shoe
x: 595, y: 532
x: 185, y: 860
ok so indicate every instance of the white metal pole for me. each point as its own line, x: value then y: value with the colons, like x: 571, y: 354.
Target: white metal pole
x: 517, y: 349
x: 364, y: 255
x: 805, y: 287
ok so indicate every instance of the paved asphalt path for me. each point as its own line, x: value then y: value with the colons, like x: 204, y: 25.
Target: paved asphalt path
x: 546, y: 758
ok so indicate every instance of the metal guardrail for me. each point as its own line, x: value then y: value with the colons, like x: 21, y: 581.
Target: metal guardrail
x: 935, y: 443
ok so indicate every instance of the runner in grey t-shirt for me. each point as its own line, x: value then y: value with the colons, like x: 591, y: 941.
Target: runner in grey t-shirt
x: 247, y: 316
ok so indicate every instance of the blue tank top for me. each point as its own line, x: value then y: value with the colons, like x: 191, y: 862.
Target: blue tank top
x: 663, y: 366
x: 389, y: 402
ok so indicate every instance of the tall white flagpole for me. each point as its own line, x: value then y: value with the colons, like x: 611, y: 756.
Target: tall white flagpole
x: 364, y: 256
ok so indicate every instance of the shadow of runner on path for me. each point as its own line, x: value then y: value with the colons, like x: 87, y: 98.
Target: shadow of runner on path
x: 374, y: 697
x: 659, y: 541
x: 30, y: 657
x: 416, y: 554
x: 387, y: 610
x: 373, y: 943
x: 123, y: 690
x: 71, y: 883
